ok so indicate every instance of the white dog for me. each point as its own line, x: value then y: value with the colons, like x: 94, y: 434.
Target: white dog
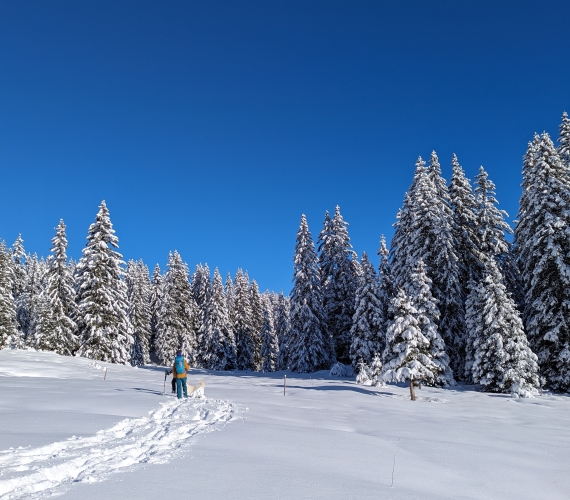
x: 196, y: 391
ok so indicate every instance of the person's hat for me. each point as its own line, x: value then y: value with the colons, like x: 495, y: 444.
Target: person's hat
x: 179, y: 353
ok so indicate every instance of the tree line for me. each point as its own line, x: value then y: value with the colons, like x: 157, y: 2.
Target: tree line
x: 452, y: 299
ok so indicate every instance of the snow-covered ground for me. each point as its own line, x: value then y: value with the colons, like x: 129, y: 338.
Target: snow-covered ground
x: 64, y: 430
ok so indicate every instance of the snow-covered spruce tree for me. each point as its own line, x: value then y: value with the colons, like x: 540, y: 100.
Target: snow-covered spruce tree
x: 8, y: 324
x: 339, y: 281
x: 217, y: 329
x: 229, y: 292
x: 177, y: 314
x: 543, y: 239
x: 564, y: 142
x: 282, y: 330
x: 407, y: 352
x: 232, y: 352
x: 269, y: 342
x: 138, y: 294
x: 434, y: 169
x: 201, y: 291
x: 257, y: 307
x: 465, y: 223
x: 424, y: 230
x: 491, y: 229
x: 19, y: 281
x: 368, y: 338
x: 31, y: 298
x: 156, y: 285
x: 103, y: 322
x: 309, y: 346
x: 19, y: 259
x: 386, y: 285
x: 243, y: 327
x: 498, y: 354
x: 418, y: 290
x: 57, y: 330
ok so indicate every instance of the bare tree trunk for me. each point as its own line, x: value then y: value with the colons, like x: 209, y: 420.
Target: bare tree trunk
x: 412, y: 395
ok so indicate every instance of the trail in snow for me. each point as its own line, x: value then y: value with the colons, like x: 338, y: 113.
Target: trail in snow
x: 154, y: 439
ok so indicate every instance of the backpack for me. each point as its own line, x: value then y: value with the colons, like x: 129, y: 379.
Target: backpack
x: 179, y: 365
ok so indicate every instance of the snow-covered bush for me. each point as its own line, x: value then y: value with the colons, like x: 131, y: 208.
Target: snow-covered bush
x: 340, y: 370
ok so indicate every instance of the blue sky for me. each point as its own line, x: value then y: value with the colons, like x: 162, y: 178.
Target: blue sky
x: 210, y: 127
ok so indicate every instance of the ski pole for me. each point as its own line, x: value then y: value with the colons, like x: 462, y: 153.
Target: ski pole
x: 164, y: 390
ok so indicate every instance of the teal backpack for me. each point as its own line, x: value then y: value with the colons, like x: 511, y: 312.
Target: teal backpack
x: 179, y: 365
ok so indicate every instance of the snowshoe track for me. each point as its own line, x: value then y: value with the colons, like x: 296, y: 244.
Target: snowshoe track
x: 36, y: 472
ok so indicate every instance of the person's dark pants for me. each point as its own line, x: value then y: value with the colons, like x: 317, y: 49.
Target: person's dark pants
x: 173, y: 385
x: 181, y: 385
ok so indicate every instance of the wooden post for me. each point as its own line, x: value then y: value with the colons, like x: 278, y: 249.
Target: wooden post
x: 105, y: 377
x: 284, y: 384
x: 412, y: 394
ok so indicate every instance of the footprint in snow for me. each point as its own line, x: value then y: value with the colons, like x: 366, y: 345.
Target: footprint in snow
x: 152, y: 439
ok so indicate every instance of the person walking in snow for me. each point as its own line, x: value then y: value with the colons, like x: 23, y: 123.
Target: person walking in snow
x: 179, y: 373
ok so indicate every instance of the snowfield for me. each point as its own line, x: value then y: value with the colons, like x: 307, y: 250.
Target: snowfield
x: 66, y: 431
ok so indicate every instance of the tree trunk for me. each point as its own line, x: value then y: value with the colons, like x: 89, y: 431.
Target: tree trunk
x: 412, y: 393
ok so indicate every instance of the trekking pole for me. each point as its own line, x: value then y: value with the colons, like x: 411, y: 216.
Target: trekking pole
x: 284, y: 384
x: 105, y: 377
x: 164, y: 390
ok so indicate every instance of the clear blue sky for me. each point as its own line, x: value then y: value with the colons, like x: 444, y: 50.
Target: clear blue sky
x: 210, y: 127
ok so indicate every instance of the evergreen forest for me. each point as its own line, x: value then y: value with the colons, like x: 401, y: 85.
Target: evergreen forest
x: 458, y: 295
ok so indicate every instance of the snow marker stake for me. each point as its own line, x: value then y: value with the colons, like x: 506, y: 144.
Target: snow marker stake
x: 284, y: 384
x: 393, y: 467
x: 105, y: 377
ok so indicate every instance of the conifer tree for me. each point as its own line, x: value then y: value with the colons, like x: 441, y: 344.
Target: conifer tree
x: 103, y: 322
x: 491, y: 224
x: 269, y: 343
x: 564, y: 143
x: 465, y: 225
x: 45, y: 328
x: 31, y: 298
x: 217, y: 335
x: 8, y: 324
x: 19, y: 270
x: 309, y: 346
x: 543, y: 239
x: 19, y: 282
x: 201, y: 291
x: 229, y: 291
x: 243, y: 327
x: 176, y: 318
x: 368, y: 321
x: 257, y: 307
x: 498, y: 354
x: 138, y: 294
x: 156, y: 285
x: 407, y: 354
x: 418, y: 290
x: 282, y: 330
x: 339, y: 280
x: 386, y: 285
x: 57, y: 327
x: 424, y: 230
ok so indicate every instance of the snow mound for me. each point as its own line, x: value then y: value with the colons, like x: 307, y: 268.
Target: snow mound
x: 157, y: 438
x: 431, y: 400
x: 340, y: 370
